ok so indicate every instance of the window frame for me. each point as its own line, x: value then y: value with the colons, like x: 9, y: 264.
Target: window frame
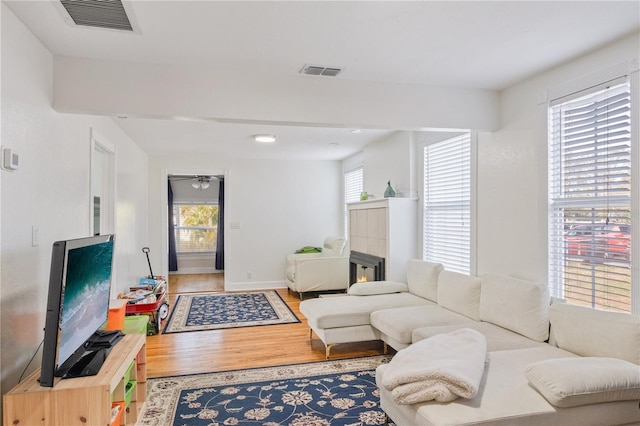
x: 432, y: 138
x: 177, y: 228
x: 359, y: 170
x: 561, y: 251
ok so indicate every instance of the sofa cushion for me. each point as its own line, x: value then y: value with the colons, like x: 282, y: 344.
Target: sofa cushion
x: 422, y: 278
x: 459, y: 293
x: 566, y: 382
x: 504, y: 398
x: 591, y: 332
x: 399, y: 323
x: 377, y: 287
x: 518, y: 305
x: 347, y: 311
x: 498, y: 338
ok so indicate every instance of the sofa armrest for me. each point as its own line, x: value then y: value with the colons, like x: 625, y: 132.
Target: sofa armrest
x: 291, y: 258
x: 315, y: 273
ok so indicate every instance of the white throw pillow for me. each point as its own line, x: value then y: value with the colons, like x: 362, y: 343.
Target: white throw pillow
x: 377, y: 287
x: 517, y: 305
x: 570, y: 382
x: 592, y: 332
x: 460, y: 293
x: 422, y: 278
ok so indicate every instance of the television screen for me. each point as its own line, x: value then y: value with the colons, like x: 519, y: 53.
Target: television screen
x: 78, y: 303
x: 85, y: 303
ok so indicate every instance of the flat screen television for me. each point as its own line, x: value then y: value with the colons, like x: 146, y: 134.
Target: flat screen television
x: 77, y: 306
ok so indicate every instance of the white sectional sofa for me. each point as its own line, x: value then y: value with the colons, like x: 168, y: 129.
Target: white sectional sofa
x: 547, y: 363
x: 572, y: 380
x: 515, y: 309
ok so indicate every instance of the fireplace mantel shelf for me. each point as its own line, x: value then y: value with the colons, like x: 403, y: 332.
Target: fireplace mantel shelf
x: 367, y: 204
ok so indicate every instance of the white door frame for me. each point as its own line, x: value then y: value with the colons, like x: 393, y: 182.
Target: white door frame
x: 164, y: 207
x: 105, y: 184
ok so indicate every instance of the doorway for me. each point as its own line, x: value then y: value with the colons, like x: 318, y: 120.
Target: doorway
x: 190, y: 176
x: 102, y: 202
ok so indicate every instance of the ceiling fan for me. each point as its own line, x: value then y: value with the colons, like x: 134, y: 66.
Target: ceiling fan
x: 198, y: 182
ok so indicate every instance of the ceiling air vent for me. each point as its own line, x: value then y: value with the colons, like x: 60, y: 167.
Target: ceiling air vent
x: 109, y: 14
x: 320, y: 70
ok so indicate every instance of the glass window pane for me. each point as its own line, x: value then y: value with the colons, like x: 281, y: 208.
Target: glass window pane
x: 447, y: 203
x: 196, y: 228
x: 590, y: 199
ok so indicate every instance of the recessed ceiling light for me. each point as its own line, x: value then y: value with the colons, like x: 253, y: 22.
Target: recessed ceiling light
x: 264, y: 138
x: 356, y: 131
x: 333, y: 144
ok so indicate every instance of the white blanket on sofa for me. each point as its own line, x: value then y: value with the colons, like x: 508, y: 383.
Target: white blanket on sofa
x: 442, y: 368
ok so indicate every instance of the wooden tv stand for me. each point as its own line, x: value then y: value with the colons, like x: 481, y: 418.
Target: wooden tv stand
x: 83, y: 401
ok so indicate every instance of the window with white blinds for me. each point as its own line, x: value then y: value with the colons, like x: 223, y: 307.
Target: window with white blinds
x: 353, y: 187
x: 447, y: 203
x: 590, y: 197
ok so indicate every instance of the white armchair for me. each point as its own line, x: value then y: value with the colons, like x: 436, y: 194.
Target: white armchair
x: 328, y: 270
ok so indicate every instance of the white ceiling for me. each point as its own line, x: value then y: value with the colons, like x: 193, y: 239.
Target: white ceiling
x: 474, y: 45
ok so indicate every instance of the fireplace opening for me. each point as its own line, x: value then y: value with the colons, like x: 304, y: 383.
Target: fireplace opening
x: 365, y: 267
x: 364, y: 274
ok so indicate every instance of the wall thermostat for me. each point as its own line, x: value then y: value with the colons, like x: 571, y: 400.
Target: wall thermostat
x: 10, y: 159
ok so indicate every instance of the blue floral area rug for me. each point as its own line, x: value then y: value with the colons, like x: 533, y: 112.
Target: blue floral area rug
x: 214, y: 311
x: 340, y: 392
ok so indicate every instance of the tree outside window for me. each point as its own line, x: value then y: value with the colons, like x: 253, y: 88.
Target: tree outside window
x: 196, y: 228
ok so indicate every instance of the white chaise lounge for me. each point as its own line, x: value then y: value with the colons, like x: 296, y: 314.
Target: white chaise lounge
x: 348, y: 319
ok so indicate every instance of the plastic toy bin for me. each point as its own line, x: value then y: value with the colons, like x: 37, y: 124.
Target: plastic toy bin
x: 128, y: 392
x: 135, y: 324
x: 115, y: 419
x: 115, y: 317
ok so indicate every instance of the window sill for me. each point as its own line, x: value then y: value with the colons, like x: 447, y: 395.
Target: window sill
x: 207, y: 255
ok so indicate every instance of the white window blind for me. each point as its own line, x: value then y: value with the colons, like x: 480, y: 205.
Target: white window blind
x: 447, y: 203
x: 590, y: 198
x: 353, y: 185
x: 196, y: 227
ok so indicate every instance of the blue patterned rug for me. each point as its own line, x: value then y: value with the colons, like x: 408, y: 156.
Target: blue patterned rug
x: 340, y: 392
x: 214, y: 311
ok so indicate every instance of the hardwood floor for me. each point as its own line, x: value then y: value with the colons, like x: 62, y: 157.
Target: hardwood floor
x: 195, y: 283
x: 238, y: 348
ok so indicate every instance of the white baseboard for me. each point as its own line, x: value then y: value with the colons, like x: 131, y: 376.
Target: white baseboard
x: 255, y: 285
x: 196, y: 271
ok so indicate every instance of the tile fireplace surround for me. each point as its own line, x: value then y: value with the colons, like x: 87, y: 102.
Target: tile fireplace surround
x: 385, y: 228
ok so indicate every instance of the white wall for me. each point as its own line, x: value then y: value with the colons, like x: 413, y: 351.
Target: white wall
x: 512, y: 169
x: 51, y: 190
x: 390, y: 159
x: 395, y: 158
x: 279, y: 206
